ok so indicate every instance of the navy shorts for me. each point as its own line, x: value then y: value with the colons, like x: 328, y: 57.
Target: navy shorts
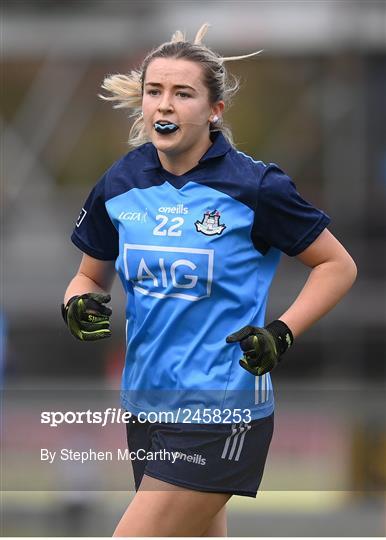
x: 221, y: 458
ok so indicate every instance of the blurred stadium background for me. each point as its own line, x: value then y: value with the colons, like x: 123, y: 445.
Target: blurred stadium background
x: 313, y: 102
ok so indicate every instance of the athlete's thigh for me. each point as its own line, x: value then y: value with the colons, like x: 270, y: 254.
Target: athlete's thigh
x: 218, y: 525
x: 162, y: 509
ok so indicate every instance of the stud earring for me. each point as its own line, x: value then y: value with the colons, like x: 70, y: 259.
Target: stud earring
x: 215, y: 119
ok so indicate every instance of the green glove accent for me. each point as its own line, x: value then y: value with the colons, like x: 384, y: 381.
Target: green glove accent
x: 262, y: 347
x: 86, y: 316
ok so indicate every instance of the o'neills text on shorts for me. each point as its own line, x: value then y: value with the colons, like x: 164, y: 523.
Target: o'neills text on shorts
x: 191, y: 458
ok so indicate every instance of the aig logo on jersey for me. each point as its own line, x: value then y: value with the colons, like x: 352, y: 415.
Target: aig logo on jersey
x: 169, y: 272
x: 210, y: 223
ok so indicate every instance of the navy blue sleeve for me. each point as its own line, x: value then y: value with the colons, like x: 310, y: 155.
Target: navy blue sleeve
x: 94, y: 232
x: 282, y: 218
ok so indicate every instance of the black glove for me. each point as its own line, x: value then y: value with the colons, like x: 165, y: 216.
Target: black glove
x: 86, y: 316
x: 262, y: 347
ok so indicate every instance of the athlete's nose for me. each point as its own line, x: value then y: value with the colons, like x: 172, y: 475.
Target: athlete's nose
x: 165, y: 104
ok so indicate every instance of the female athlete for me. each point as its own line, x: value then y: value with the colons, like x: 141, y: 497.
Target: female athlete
x: 195, y: 230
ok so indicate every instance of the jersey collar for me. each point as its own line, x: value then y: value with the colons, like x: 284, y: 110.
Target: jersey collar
x: 219, y: 148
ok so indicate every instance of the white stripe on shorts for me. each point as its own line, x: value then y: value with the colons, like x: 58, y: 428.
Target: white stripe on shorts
x: 235, y: 439
x: 247, y: 428
x: 227, y: 442
x: 238, y: 435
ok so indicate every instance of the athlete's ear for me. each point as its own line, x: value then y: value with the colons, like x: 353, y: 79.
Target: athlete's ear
x: 217, y: 111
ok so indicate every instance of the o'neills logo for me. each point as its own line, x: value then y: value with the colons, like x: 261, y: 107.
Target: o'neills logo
x: 179, y: 209
x: 195, y: 458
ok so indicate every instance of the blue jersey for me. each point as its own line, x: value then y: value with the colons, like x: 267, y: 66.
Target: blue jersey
x: 196, y: 255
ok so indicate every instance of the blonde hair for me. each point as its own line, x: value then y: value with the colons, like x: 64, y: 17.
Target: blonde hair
x: 127, y: 90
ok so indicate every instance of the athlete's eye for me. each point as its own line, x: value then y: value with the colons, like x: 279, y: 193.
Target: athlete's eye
x: 183, y: 94
x: 153, y: 92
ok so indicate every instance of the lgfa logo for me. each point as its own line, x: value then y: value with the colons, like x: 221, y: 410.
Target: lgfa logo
x: 134, y: 216
x: 179, y: 209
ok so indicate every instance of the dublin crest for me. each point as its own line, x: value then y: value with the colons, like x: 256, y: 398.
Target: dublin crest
x: 210, y: 223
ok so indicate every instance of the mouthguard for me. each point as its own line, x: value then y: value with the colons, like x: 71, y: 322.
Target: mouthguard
x: 165, y: 128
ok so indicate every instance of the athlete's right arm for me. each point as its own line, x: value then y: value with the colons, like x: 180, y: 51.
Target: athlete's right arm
x: 83, y: 309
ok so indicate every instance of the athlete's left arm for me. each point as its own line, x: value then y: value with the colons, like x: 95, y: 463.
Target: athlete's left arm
x: 332, y: 275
